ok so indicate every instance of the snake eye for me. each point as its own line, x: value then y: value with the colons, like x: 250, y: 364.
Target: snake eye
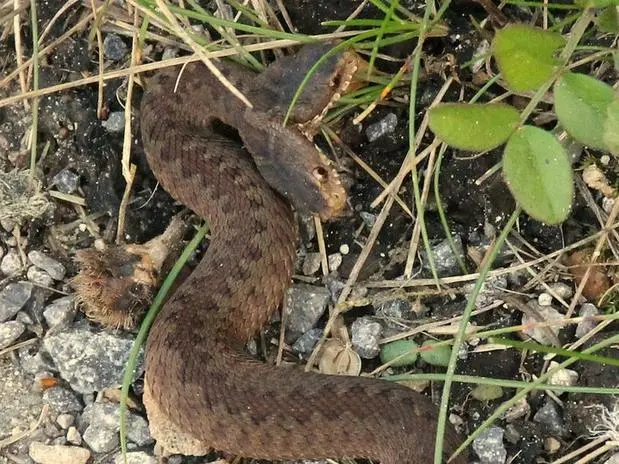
x: 320, y: 174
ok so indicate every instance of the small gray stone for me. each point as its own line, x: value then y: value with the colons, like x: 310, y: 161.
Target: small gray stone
x: 11, y: 264
x: 55, y: 269
x: 366, y: 334
x: 489, y: 446
x: 544, y: 299
x: 587, y: 325
x: 169, y: 53
x: 65, y: 420
x: 103, y: 425
x: 384, y: 126
x: 305, y: 304
x: 444, y: 258
x: 540, y: 334
x: 368, y: 218
x: 73, y: 436
x: 562, y: 290
x: 115, y: 122
x: 61, y: 312
x: 335, y: 261
x: 9, y: 332
x: 62, y: 400
x: 13, y: 298
x: 136, y: 457
x: 306, y: 342
x: 57, y: 454
x: 101, y: 440
x: 395, y: 310
x: 311, y: 264
x: 24, y: 318
x: 550, y: 418
x: 59, y: 441
x: 334, y: 286
x: 52, y: 431
x: 491, y: 291
x: 66, y: 181
x: 7, y: 224
x: 114, y: 47
x: 39, y: 277
x: 90, y: 361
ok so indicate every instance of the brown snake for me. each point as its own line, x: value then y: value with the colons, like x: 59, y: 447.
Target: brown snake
x: 201, y: 388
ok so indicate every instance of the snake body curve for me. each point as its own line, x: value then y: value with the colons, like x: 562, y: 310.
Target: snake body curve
x: 201, y: 389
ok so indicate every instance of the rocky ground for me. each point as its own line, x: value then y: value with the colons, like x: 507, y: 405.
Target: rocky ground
x: 60, y: 372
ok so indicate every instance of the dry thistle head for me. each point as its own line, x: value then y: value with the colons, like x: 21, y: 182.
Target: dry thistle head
x: 115, y: 285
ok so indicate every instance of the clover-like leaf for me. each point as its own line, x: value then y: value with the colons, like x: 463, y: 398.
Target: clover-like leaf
x: 475, y: 127
x: 581, y: 104
x: 539, y: 175
x: 526, y: 55
x: 405, y: 351
x: 436, y: 356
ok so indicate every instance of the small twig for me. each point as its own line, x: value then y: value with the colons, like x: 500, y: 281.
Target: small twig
x: 19, y: 57
x: 180, y: 31
x: 322, y: 248
x: 35, y: 86
x: 123, y: 204
x: 17, y: 346
x: 100, y: 57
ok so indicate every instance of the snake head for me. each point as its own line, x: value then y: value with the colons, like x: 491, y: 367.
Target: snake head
x: 294, y: 167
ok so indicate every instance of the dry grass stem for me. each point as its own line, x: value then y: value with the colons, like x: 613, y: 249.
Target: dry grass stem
x: 180, y: 31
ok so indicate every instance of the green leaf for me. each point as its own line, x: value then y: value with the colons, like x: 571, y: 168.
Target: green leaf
x: 526, y: 55
x: 438, y: 356
x: 581, y: 102
x: 487, y: 392
x: 475, y: 127
x: 608, y: 20
x: 403, y: 348
x: 611, y: 127
x: 538, y: 173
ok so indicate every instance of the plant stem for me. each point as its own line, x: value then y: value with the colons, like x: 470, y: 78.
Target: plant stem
x: 35, y: 86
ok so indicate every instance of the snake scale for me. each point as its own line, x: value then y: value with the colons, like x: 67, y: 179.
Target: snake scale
x: 201, y: 388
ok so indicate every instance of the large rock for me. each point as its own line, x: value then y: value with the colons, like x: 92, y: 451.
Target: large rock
x: 90, y: 360
x: 58, y: 454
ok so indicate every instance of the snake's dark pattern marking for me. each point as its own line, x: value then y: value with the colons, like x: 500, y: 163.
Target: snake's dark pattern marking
x: 198, y: 378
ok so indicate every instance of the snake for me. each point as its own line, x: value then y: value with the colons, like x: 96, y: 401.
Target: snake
x: 238, y: 166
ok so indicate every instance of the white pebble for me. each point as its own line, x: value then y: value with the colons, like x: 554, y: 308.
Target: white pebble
x: 544, y: 299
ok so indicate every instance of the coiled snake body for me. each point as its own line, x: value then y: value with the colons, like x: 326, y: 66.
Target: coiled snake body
x: 201, y: 389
